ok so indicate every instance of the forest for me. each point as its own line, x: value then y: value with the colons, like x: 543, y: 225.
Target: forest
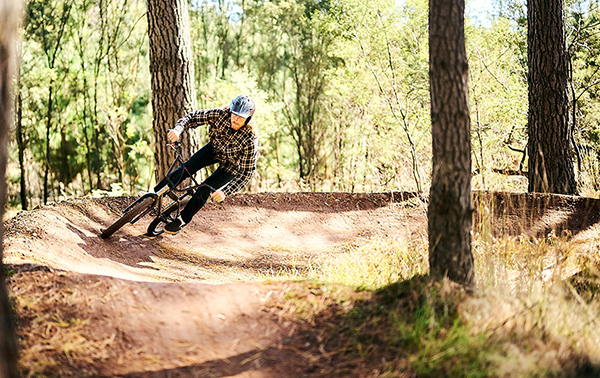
x: 426, y: 202
x: 341, y: 88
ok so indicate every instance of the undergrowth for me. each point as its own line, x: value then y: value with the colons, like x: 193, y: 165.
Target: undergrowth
x: 528, y: 316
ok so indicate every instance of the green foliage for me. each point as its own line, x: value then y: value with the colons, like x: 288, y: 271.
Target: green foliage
x: 342, y: 91
x: 426, y: 323
x: 584, y: 45
x: 384, y: 92
x: 116, y: 190
x: 498, y: 90
x: 96, y: 73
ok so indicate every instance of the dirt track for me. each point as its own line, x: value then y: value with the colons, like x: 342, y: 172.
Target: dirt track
x: 150, y: 304
x: 238, y: 240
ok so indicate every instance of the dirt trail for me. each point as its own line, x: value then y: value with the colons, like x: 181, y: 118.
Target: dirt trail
x: 151, y: 303
x: 238, y: 240
x: 150, y: 306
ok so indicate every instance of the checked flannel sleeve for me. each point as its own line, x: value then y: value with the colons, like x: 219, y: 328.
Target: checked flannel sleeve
x: 201, y: 117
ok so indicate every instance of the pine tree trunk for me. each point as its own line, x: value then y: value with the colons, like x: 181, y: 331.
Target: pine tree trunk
x: 450, y: 209
x: 48, y: 131
x: 9, y: 21
x: 172, y: 75
x: 21, y: 146
x: 549, y: 146
x: 19, y: 132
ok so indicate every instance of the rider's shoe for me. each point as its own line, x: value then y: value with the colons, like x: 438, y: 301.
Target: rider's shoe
x: 174, y: 227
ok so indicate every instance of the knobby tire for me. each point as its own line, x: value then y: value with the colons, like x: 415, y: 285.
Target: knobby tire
x: 152, y: 227
x: 128, y: 216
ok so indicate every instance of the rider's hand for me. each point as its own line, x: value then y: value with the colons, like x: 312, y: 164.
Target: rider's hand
x: 173, y: 135
x: 218, y: 196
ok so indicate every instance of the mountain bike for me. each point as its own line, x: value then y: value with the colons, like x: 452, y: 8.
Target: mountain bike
x: 164, y: 205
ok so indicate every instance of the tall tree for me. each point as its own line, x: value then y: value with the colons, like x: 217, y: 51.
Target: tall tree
x: 9, y: 22
x: 450, y: 209
x: 172, y: 74
x: 550, y: 150
x: 19, y: 135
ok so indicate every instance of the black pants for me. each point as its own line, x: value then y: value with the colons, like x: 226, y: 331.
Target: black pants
x: 203, y: 158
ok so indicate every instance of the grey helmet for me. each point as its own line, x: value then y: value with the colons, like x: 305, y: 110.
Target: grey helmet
x: 242, y: 106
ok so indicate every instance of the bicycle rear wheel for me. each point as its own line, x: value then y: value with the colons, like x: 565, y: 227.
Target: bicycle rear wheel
x: 128, y: 216
x: 155, y: 228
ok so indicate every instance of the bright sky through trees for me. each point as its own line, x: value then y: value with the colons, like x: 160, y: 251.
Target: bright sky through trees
x: 480, y: 10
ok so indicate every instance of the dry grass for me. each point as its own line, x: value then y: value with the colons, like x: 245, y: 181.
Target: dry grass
x: 371, y: 263
x: 60, y: 331
x: 55, y: 341
x: 524, y: 319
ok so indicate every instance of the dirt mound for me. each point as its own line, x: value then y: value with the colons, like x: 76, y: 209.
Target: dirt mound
x: 134, y: 305
x: 537, y: 215
x: 237, y: 240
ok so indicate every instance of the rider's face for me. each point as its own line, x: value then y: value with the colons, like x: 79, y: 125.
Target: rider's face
x: 237, y: 122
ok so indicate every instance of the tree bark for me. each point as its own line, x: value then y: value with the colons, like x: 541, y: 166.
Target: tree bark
x: 48, y: 132
x: 21, y: 143
x: 9, y: 21
x: 450, y: 209
x: 550, y: 151
x: 172, y: 75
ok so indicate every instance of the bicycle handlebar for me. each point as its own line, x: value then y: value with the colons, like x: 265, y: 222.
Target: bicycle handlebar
x: 176, y: 146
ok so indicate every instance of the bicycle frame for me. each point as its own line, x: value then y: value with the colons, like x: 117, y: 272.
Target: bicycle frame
x: 171, y: 189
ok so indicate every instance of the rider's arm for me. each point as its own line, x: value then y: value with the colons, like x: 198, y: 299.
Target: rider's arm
x: 197, y: 118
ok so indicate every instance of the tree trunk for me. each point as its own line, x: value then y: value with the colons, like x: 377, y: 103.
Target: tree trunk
x: 550, y: 150
x: 88, y: 143
x: 97, y: 130
x: 9, y: 21
x: 172, y: 75
x: 65, y: 174
x: 21, y: 146
x: 48, y: 131
x: 450, y: 209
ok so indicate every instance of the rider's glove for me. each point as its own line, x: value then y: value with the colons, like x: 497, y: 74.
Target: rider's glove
x: 218, y: 196
x: 174, y: 133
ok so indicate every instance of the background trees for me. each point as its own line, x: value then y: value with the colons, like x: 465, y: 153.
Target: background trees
x: 46, y: 24
x: 99, y: 127
x: 341, y: 89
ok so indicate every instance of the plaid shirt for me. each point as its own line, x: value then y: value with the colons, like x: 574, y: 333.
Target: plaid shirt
x: 236, y: 151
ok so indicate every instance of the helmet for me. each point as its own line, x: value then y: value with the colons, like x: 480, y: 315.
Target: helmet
x: 242, y: 106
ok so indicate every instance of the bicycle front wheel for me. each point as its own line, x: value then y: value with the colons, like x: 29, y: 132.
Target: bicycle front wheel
x: 127, y: 217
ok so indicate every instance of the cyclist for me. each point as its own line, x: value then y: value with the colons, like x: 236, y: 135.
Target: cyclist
x: 233, y: 144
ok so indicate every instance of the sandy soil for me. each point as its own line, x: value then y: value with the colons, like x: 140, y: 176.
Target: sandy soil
x: 197, y: 304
